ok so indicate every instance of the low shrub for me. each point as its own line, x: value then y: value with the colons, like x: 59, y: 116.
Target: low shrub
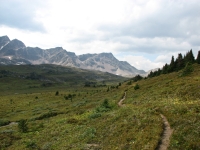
x: 90, y: 133
x: 31, y: 144
x: 46, y: 115
x: 57, y: 93
x: 46, y: 146
x: 136, y: 87
x: 104, y: 107
x: 94, y: 115
x: 23, y: 125
x: 187, y: 70
x: 4, y: 122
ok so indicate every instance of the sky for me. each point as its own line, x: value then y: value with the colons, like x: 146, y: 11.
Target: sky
x: 145, y: 33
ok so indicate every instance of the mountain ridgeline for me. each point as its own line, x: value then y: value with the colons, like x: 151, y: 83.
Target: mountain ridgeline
x: 14, y: 52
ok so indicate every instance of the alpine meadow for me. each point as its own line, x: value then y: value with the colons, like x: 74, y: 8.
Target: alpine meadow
x: 54, y: 107
x: 99, y: 74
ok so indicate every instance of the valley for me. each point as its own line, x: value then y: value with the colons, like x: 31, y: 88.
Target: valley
x: 99, y: 75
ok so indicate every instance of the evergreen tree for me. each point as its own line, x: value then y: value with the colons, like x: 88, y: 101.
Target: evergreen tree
x: 150, y: 74
x: 198, y: 58
x: 189, y: 58
x: 192, y: 59
x: 137, y: 78
x: 179, y: 62
x: 172, y: 65
x: 159, y: 72
x: 165, y: 69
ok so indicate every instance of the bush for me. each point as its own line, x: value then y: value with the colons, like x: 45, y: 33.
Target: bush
x: 7, y: 138
x: 90, y: 133
x: 57, y: 93
x: 4, y: 122
x: 31, y: 144
x: 46, y: 146
x: 70, y: 96
x: 108, y: 89
x: 95, y: 115
x: 136, y: 87
x: 23, y: 125
x: 187, y: 70
x: 104, y: 107
x: 129, y: 83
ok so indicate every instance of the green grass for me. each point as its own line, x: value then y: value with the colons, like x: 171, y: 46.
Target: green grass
x: 88, y: 122
x: 38, y: 78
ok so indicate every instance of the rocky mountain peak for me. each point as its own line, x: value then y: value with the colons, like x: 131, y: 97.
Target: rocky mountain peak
x: 104, y: 62
x: 3, y: 41
x: 108, y: 55
x: 15, y: 45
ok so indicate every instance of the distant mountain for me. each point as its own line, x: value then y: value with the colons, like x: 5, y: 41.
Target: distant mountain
x: 3, y: 41
x: 152, y: 70
x: 15, y: 52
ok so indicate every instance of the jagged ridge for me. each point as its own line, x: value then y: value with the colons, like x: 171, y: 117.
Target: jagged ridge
x: 106, y: 62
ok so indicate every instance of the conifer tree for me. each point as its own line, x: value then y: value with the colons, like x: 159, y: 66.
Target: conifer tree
x: 158, y: 72
x: 172, y: 65
x: 150, y: 74
x: 179, y: 62
x: 165, y: 69
x: 189, y: 58
x: 198, y: 58
x: 192, y: 59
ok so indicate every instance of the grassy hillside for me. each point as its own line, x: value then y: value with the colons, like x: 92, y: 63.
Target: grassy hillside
x: 37, y: 78
x: 89, y: 118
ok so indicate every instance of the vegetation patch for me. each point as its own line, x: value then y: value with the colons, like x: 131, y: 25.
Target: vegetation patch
x: 4, y: 122
x: 46, y: 115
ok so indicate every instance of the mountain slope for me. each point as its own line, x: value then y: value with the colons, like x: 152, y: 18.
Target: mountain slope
x: 105, y: 62
x: 21, y: 78
x: 3, y: 41
x: 89, y: 118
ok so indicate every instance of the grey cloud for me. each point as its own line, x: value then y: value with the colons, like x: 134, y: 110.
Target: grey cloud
x: 179, y: 20
x: 172, y: 20
x: 20, y: 14
x: 83, y: 39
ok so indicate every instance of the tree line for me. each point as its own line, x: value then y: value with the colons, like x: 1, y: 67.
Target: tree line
x: 178, y: 64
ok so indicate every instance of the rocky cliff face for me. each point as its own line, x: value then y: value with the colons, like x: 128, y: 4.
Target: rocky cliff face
x: 15, y: 52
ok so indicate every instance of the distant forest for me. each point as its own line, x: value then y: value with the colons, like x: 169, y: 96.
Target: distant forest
x: 175, y: 65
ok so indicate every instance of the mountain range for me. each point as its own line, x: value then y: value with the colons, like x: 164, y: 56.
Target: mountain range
x: 15, y: 52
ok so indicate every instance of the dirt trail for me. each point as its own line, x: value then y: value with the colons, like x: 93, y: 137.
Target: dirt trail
x: 165, y: 138
x: 120, y: 103
x: 167, y: 131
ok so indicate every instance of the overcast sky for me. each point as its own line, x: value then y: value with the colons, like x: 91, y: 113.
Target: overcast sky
x: 146, y: 33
